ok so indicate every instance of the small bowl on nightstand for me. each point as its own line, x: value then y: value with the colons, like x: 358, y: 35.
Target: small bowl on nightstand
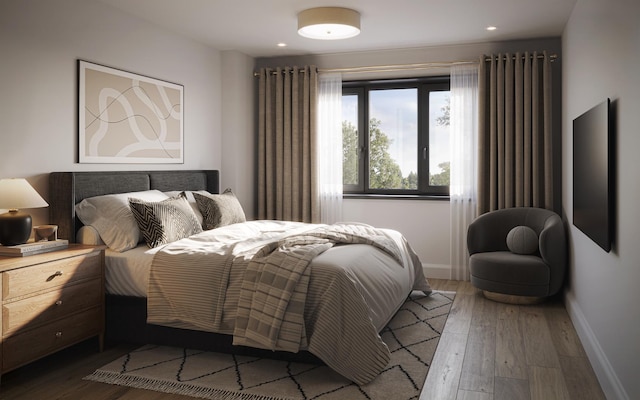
x: 45, y: 232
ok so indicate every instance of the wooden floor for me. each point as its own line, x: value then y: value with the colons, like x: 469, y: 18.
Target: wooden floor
x: 487, y: 351
x: 496, y: 351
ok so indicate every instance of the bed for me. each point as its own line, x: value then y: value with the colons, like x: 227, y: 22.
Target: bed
x: 145, y: 312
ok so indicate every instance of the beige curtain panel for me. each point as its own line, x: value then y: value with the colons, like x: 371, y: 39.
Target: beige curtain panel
x: 287, y: 188
x: 514, y: 148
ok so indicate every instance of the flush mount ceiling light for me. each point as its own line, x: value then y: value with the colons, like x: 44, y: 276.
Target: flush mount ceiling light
x: 329, y: 23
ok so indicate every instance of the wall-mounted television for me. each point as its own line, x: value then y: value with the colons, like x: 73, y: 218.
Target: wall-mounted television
x: 593, y: 174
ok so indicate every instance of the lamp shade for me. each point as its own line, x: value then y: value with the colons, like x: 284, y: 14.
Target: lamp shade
x: 18, y: 193
x: 329, y: 23
x: 15, y: 226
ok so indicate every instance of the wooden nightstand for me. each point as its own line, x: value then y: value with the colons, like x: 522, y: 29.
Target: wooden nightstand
x: 50, y: 301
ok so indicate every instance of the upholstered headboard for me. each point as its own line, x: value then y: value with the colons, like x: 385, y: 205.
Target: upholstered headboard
x: 66, y: 189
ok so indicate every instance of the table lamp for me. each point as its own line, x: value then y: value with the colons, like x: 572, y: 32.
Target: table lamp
x: 15, y: 226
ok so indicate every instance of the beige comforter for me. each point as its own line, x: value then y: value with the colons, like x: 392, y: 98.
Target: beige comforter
x: 252, y: 280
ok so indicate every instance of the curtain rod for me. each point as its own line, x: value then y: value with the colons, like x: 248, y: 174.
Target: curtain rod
x: 409, y: 67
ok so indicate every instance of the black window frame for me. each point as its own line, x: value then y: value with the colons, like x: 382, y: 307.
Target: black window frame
x: 424, y: 86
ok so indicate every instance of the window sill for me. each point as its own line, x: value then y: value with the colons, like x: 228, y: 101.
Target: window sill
x: 394, y: 196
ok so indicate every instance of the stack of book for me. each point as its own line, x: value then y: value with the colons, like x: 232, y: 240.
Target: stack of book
x: 31, y: 248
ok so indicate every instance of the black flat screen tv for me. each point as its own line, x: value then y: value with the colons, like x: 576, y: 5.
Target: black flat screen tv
x: 593, y: 174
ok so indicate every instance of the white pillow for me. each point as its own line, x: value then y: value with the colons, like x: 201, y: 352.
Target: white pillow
x: 87, y: 234
x: 111, y: 216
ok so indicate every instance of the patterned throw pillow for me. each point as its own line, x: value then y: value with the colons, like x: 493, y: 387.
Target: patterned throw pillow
x: 188, y: 194
x: 219, y: 209
x: 164, y: 221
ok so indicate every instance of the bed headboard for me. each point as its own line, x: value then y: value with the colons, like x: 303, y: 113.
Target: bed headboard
x: 66, y: 189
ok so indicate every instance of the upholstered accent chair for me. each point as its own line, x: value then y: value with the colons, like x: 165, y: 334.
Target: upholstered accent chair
x: 518, y: 251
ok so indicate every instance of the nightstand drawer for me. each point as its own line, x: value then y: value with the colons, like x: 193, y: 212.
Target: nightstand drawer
x: 25, y: 347
x: 47, y: 276
x: 31, y: 312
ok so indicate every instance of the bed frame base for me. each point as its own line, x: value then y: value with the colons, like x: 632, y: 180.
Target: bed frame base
x: 124, y: 323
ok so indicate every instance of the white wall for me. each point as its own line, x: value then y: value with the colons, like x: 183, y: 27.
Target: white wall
x: 40, y: 43
x: 238, y: 137
x: 601, y: 52
x: 425, y: 223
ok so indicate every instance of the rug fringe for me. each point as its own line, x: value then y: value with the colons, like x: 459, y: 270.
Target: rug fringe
x: 159, y: 385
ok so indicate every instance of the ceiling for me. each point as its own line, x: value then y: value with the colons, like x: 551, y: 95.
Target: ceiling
x: 255, y: 27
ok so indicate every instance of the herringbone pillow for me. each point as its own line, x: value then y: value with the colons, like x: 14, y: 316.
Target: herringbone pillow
x: 164, y: 221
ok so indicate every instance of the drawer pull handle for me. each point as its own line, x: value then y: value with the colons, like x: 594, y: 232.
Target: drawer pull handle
x: 59, y: 302
x: 58, y: 334
x: 52, y: 277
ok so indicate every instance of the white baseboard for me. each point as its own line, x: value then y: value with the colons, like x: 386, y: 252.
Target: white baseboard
x: 607, y: 377
x: 437, y: 271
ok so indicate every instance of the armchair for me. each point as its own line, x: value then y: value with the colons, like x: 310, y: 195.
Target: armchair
x: 494, y: 268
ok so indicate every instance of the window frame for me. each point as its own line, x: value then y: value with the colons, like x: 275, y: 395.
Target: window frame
x: 424, y: 86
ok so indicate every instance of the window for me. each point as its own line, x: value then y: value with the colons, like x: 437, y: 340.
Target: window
x: 396, y: 136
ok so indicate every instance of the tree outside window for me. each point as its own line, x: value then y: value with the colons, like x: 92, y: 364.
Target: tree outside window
x: 406, y: 150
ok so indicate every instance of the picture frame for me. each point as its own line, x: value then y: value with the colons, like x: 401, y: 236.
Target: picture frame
x: 128, y: 118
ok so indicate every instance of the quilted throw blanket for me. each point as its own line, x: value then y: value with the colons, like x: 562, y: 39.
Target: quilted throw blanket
x: 273, y: 293
x: 252, y: 280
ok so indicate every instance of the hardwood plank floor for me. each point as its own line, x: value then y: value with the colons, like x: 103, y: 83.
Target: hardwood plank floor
x: 59, y: 377
x: 510, y: 352
x: 488, y: 351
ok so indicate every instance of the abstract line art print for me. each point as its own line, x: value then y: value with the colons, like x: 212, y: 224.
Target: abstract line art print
x: 128, y: 118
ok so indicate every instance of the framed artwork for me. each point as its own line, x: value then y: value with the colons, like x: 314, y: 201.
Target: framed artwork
x: 128, y: 118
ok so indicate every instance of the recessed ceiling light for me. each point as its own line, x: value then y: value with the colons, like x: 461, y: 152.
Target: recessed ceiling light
x: 282, y: 45
x: 491, y: 28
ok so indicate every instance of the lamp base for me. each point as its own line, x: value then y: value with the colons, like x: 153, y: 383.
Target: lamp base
x: 15, y: 228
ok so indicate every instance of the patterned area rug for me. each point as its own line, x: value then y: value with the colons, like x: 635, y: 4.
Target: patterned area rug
x: 412, y: 337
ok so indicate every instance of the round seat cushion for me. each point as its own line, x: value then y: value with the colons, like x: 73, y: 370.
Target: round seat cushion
x: 522, y: 240
x: 509, y: 268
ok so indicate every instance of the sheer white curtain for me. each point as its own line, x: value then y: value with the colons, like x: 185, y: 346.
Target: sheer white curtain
x: 330, y: 147
x: 464, y: 144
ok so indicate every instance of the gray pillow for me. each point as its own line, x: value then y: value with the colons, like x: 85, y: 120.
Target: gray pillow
x: 522, y: 240
x: 164, y: 221
x: 219, y: 209
x: 188, y: 194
